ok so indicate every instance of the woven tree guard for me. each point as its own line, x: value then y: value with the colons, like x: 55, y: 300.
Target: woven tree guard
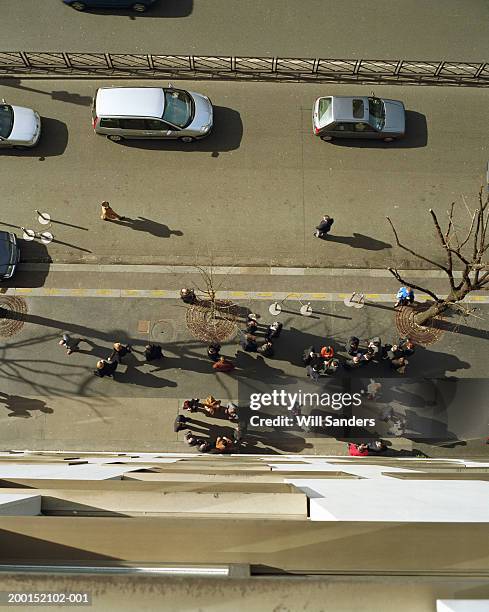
x: 211, y: 319
x: 12, y: 311
x: 466, y: 250
x: 420, y: 334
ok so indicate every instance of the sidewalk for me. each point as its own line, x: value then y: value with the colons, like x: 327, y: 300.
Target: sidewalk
x: 52, y: 401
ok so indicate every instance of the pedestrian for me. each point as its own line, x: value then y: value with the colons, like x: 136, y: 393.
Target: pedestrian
x: 105, y: 367
x: 120, y: 350
x: 191, y: 405
x: 274, y: 330
x: 152, y: 352
x: 213, y: 351
x: 251, y: 324
x: 355, y: 362
x: 248, y: 343
x: 375, y: 344
x: 324, y: 227
x: 188, y: 296
x: 223, y: 365
x: 231, y: 411
x: 212, y: 406
x: 327, y: 352
x: 358, y: 450
x: 407, y: 347
x: 190, y: 439
x: 399, y: 364
x: 70, y: 343
x: 393, y: 351
x: 331, y: 366
x: 204, y: 446
x: 309, y: 356
x: 266, y: 349
x: 404, y: 296
x: 109, y: 214
x: 377, y: 447
x: 353, y: 346
x: 180, y: 423
x: 224, y: 444
x: 373, y: 389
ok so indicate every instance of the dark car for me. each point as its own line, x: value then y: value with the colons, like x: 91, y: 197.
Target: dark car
x: 9, y: 255
x: 136, y: 5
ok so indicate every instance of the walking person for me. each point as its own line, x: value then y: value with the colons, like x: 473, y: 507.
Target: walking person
x: 274, y: 330
x: 105, y: 367
x: 223, y: 365
x: 70, y: 343
x: 188, y: 296
x: 109, y: 214
x: 120, y: 350
x: 252, y: 323
x: 353, y: 346
x: 213, y: 351
x: 152, y: 352
x: 404, y: 296
x: 266, y: 349
x: 248, y: 343
x: 324, y: 227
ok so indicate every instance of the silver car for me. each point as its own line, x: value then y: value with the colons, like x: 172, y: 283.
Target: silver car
x: 19, y: 126
x: 358, y: 117
x: 151, y: 112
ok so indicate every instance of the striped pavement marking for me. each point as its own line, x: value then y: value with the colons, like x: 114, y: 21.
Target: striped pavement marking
x: 235, y: 295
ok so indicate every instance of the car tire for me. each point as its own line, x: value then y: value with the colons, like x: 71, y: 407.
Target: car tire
x: 187, y: 139
x: 139, y: 7
x: 78, y: 6
x: 327, y: 138
x: 115, y: 138
x: 388, y: 139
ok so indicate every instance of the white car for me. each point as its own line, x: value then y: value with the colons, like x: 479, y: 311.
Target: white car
x: 151, y: 112
x: 19, y: 126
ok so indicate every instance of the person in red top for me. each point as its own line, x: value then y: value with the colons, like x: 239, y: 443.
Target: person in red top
x: 223, y: 365
x: 327, y: 352
x: 358, y: 450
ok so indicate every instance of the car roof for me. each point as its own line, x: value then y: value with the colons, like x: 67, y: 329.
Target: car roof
x: 130, y: 102
x: 343, y: 108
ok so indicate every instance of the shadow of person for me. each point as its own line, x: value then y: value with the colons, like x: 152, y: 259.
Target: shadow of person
x: 141, y: 224
x: 359, y: 241
x: 21, y: 407
x: 133, y: 376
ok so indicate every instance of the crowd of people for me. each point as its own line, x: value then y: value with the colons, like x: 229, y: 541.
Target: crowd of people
x: 324, y: 362
x: 213, y: 408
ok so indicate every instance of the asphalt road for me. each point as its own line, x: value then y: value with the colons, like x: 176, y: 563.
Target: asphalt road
x: 251, y: 193
x: 373, y: 29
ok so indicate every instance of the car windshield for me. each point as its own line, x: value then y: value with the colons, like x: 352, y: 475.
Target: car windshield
x: 377, y: 113
x: 178, y: 107
x: 324, y: 111
x: 6, y: 120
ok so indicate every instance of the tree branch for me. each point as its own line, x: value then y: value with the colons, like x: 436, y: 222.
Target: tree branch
x: 402, y: 246
x: 396, y: 275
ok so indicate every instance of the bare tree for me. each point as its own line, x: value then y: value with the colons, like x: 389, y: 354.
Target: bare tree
x: 211, y: 319
x: 466, y: 254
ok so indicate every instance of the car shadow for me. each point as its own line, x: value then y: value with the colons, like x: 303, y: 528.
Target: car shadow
x: 225, y: 136
x: 416, y: 136
x: 163, y: 8
x: 53, y: 141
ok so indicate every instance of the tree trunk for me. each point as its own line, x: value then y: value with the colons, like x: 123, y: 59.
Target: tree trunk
x: 424, y: 317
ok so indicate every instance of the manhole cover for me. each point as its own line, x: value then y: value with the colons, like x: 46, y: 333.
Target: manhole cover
x: 12, y: 311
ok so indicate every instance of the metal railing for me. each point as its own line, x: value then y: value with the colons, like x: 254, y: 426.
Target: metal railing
x: 65, y: 64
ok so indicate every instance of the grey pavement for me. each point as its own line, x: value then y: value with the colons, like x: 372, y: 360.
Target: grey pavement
x: 252, y: 192
x: 373, y: 29
x: 52, y: 401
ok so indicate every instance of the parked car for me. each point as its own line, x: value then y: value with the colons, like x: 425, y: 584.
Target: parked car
x: 19, y: 126
x: 9, y: 254
x: 151, y: 112
x: 358, y: 117
x: 140, y: 6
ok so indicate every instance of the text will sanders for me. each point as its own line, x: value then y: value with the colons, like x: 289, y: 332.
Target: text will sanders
x: 288, y: 400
